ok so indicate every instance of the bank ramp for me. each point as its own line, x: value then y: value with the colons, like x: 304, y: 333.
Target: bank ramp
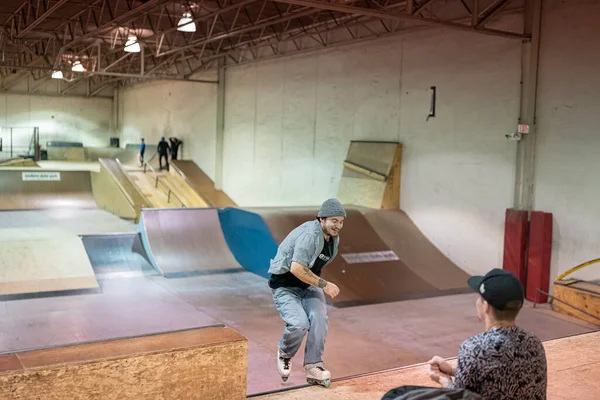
x: 185, y: 242
x: 115, y: 192
x: 202, y: 184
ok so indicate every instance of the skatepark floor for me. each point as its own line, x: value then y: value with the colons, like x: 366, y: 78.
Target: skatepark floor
x: 361, y: 339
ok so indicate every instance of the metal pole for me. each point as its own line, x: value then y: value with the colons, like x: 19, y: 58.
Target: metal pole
x: 220, y: 125
x: 524, y: 179
x: 11, y: 143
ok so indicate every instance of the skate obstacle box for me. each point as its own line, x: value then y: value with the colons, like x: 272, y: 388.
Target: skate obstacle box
x: 371, y: 175
x: 203, y: 363
x: 577, y: 298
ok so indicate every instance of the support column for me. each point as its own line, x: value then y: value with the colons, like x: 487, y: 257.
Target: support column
x: 524, y: 180
x: 220, y: 125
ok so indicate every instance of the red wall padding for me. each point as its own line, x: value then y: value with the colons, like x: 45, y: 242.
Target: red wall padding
x: 515, y: 243
x: 539, y: 255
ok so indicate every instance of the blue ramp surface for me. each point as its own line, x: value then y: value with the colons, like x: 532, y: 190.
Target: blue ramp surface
x: 249, y: 239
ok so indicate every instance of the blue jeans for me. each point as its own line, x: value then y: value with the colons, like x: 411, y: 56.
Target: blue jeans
x: 302, y: 310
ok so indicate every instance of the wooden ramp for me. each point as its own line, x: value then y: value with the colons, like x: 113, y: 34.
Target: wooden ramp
x: 115, y: 192
x: 579, y: 299
x: 181, y: 242
x: 401, y: 234
x: 164, y: 189
x: 19, y: 162
x: 41, y: 260
x: 202, y: 184
x: 367, y: 270
x: 371, y: 175
x: 204, y: 363
x: 573, y: 368
x: 42, y: 189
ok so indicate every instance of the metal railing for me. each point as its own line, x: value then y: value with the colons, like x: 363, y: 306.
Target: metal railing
x: 169, y: 192
x: 537, y: 295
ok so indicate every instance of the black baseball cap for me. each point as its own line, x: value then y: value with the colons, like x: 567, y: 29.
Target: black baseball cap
x: 501, y: 289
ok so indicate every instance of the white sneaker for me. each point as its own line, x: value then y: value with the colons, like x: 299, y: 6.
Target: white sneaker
x: 284, y: 366
x: 318, y: 375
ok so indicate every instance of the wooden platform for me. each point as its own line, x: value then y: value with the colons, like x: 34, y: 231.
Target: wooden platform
x: 41, y: 260
x: 581, y: 295
x: 573, y: 367
x: 204, y: 363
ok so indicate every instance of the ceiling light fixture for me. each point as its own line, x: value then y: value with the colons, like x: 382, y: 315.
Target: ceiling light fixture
x: 77, y: 67
x: 187, y: 19
x: 132, y: 45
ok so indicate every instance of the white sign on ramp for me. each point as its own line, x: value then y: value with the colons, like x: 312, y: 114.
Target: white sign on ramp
x: 370, y: 257
x: 41, y: 176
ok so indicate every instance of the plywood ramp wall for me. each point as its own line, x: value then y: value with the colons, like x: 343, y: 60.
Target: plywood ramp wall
x: 371, y: 175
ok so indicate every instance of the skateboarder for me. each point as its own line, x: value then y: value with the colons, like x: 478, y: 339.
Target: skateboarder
x: 142, y: 151
x: 298, y: 290
x: 175, y: 143
x: 163, y: 150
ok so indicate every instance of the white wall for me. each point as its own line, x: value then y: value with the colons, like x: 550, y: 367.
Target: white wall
x: 79, y: 119
x: 568, y: 112
x: 171, y: 108
x: 289, y: 123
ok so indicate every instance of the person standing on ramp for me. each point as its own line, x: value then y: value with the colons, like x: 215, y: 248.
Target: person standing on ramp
x: 163, y: 150
x: 298, y: 290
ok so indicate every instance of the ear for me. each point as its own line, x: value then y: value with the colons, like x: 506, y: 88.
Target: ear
x: 486, y: 306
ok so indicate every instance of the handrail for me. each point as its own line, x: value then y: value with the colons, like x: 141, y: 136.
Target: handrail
x: 169, y: 191
x: 580, y: 266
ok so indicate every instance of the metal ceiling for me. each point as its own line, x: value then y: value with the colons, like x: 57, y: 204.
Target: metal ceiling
x: 38, y: 37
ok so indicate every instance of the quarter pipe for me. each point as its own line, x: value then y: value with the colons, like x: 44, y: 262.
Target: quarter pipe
x: 366, y: 270
x: 183, y: 242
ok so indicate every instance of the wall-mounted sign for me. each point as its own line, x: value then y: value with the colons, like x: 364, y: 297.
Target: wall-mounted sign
x: 40, y: 176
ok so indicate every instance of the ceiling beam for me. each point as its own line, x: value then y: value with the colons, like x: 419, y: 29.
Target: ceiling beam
x: 369, y: 12
x: 41, y: 18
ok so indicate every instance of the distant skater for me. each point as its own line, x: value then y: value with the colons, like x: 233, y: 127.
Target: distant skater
x: 298, y: 290
x: 175, y: 143
x: 142, y: 151
x: 163, y: 150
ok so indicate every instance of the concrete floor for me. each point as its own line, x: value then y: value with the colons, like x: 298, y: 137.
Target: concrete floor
x: 361, y: 339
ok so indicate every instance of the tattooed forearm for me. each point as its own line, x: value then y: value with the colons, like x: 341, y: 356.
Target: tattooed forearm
x: 307, y: 276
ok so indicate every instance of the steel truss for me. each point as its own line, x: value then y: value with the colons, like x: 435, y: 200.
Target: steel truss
x: 38, y: 37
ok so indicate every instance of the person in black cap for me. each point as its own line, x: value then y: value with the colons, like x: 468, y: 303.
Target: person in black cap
x: 504, y: 362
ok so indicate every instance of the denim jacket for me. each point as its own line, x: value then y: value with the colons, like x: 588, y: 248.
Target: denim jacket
x: 302, y: 245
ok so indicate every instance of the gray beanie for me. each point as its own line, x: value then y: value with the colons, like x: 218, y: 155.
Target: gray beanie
x: 331, y: 208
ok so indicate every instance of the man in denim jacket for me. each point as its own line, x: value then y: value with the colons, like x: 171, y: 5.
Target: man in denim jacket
x: 298, y: 289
